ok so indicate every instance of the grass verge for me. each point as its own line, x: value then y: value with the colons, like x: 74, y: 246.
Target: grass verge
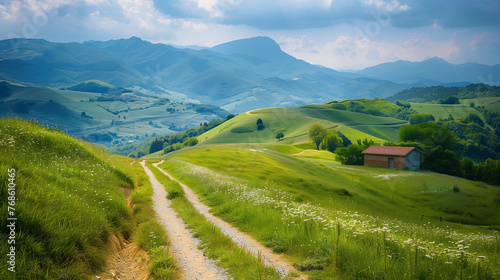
x: 240, y: 264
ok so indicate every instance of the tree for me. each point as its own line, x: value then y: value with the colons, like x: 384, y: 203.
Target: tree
x: 316, y: 134
x: 473, y: 118
x: 230, y: 116
x: 280, y: 135
x: 468, y: 168
x: 450, y: 100
x: 350, y: 155
x: 421, y: 118
x: 430, y: 134
x: 191, y: 141
x: 260, y: 125
x: 332, y: 141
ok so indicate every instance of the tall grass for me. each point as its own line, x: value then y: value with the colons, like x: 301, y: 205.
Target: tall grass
x: 341, y: 244
x: 68, y: 203
x: 217, y: 246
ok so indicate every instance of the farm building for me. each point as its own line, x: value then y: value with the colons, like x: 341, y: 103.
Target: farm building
x: 393, y: 157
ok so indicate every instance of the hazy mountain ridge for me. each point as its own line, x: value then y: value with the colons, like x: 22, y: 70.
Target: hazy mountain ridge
x: 236, y: 82
x: 432, y: 72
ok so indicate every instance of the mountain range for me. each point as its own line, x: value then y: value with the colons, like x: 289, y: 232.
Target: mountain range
x: 433, y: 72
x: 237, y: 76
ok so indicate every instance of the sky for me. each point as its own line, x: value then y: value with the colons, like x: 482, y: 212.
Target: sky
x: 340, y: 34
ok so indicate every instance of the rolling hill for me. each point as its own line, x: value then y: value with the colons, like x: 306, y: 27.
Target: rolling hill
x: 110, y: 119
x: 333, y: 220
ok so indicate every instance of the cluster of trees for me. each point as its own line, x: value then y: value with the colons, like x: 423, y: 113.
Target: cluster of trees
x: 175, y: 141
x: 421, y: 118
x: 442, y: 152
x: 473, y: 138
x: 376, y: 107
x: 352, y: 154
x: 325, y: 139
x: 187, y: 138
x: 491, y: 118
x: 208, y: 109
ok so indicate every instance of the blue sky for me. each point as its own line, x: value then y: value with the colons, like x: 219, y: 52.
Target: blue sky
x: 340, y: 34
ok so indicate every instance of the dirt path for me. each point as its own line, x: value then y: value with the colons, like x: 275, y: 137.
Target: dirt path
x: 283, y: 267
x: 184, y: 247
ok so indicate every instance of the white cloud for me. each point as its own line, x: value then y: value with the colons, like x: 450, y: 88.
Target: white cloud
x: 394, y: 6
x: 193, y: 25
x: 293, y: 44
x: 351, y: 50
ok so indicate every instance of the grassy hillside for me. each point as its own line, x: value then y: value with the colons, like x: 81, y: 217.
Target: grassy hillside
x: 347, y: 222
x: 295, y: 123
x: 68, y: 202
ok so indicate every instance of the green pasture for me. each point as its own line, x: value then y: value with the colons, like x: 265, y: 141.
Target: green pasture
x: 295, y: 124
x: 321, y: 213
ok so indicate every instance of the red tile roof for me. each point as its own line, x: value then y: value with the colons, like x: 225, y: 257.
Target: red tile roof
x: 388, y: 150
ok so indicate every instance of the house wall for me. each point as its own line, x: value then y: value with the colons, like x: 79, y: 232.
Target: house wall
x: 413, y: 160
x: 383, y: 161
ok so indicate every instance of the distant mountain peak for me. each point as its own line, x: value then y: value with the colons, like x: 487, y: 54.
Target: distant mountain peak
x: 261, y: 47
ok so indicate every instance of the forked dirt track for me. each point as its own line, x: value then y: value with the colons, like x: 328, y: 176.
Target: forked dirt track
x: 283, y: 267
x: 184, y: 247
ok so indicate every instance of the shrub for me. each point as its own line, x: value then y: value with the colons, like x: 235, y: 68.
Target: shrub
x: 241, y: 130
x: 421, y: 118
x: 280, y: 135
x: 174, y: 194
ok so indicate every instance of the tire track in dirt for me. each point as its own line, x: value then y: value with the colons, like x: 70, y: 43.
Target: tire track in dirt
x: 283, y: 267
x: 184, y: 247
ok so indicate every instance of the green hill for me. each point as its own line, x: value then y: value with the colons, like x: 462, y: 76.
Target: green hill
x: 91, y: 86
x: 335, y: 221
x: 295, y: 123
x: 68, y: 202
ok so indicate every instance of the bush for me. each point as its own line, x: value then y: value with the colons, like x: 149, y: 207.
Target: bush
x: 280, y: 135
x: 350, y: 155
x: 421, y: 118
x: 241, y: 130
x: 191, y: 141
x: 174, y: 194
x: 450, y: 100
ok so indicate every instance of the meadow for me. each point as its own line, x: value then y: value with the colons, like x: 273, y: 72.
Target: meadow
x: 295, y: 123
x: 344, y: 222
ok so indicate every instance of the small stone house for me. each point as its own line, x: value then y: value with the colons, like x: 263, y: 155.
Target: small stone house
x: 393, y: 157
